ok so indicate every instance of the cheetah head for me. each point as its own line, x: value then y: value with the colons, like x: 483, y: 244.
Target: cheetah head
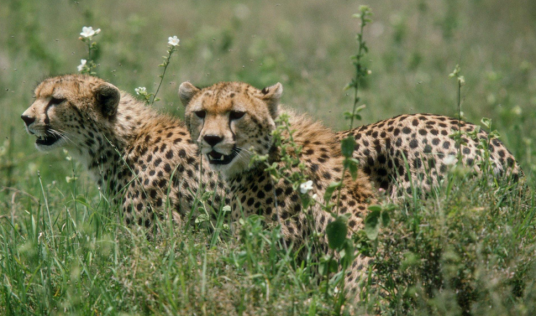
x: 62, y: 107
x: 231, y: 122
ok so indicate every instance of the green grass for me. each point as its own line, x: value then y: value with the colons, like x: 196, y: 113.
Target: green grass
x: 468, y: 249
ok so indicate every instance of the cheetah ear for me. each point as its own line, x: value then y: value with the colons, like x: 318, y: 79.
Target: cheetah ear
x: 108, y: 97
x: 271, y: 96
x: 187, y: 92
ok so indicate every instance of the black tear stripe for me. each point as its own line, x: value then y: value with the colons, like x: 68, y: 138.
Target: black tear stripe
x: 47, y: 119
x: 202, y: 126
x: 232, y: 132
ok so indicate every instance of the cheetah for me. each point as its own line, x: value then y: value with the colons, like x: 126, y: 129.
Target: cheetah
x: 417, y: 149
x: 233, y: 121
x: 143, y: 160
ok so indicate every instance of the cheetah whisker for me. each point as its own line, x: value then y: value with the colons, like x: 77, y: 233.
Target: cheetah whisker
x: 60, y: 135
x: 241, y: 153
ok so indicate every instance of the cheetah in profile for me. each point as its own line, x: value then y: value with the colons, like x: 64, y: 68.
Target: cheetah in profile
x: 143, y: 160
x: 417, y: 148
x: 232, y: 121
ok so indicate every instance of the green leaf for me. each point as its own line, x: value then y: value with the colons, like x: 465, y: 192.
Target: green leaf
x: 352, y: 168
x: 201, y: 218
x: 336, y: 232
x: 360, y: 108
x: 347, y: 146
x: 375, y: 208
x: 347, y: 253
x: 330, y: 189
x: 385, y: 218
x: 364, y: 9
x: 327, y: 263
x: 80, y: 199
x: 486, y: 122
x: 306, y: 200
x: 372, y: 224
x: 206, y: 195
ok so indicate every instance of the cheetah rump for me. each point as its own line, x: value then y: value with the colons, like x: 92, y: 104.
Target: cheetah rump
x: 413, y: 152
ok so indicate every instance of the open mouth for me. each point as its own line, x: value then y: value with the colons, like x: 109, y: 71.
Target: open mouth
x: 217, y: 158
x: 47, y: 140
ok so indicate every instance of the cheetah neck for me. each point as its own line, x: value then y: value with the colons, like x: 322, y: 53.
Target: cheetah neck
x: 104, y: 154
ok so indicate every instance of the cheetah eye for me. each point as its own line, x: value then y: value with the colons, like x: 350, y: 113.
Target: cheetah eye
x: 235, y: 115
x: 201, y: 114
x: 56, y: 101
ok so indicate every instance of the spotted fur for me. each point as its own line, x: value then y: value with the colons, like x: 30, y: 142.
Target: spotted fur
x: 143, y: 160
x: 212, y: 119
x: 415, y: 148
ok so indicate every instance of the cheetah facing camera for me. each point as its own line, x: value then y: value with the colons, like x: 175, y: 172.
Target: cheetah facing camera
x: 233, y: 121
x: 144, y: 160
x: 416, y: 148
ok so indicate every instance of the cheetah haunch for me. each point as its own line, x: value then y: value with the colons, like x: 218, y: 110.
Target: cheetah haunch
x: 142, y: 159
x: 413, y: 150
x: 232, y: 121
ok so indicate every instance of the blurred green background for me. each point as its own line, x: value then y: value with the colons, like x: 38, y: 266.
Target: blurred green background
x: 305, y: 45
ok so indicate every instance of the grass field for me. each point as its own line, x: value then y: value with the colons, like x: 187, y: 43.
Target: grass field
x: 470, y: 249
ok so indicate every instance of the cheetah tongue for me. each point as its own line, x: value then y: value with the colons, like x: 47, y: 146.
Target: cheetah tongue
x: 217, y: 158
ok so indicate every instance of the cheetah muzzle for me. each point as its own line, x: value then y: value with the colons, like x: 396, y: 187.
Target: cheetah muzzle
x: 217, y: 158
x: 48, y: 140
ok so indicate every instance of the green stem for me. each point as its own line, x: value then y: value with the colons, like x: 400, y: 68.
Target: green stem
x: 48, y: 209
x: 88, y: 51
x: 459, y: 119
x: 358, y: 69
x: 356, y: 98
x: 166, y: 63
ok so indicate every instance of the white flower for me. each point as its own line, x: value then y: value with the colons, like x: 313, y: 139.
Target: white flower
x: 141, y: 91
x: 173, y: 41
x: 315, y: 196
x: 67, y: 154
x: 306, y: 187
x: 336, y: 290
x: 450, y: 160
x: 88, y: 31
x: 82, y: 64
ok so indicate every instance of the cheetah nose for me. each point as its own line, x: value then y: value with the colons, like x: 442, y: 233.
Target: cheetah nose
x: 27, y: 119
x: 212, y: 140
